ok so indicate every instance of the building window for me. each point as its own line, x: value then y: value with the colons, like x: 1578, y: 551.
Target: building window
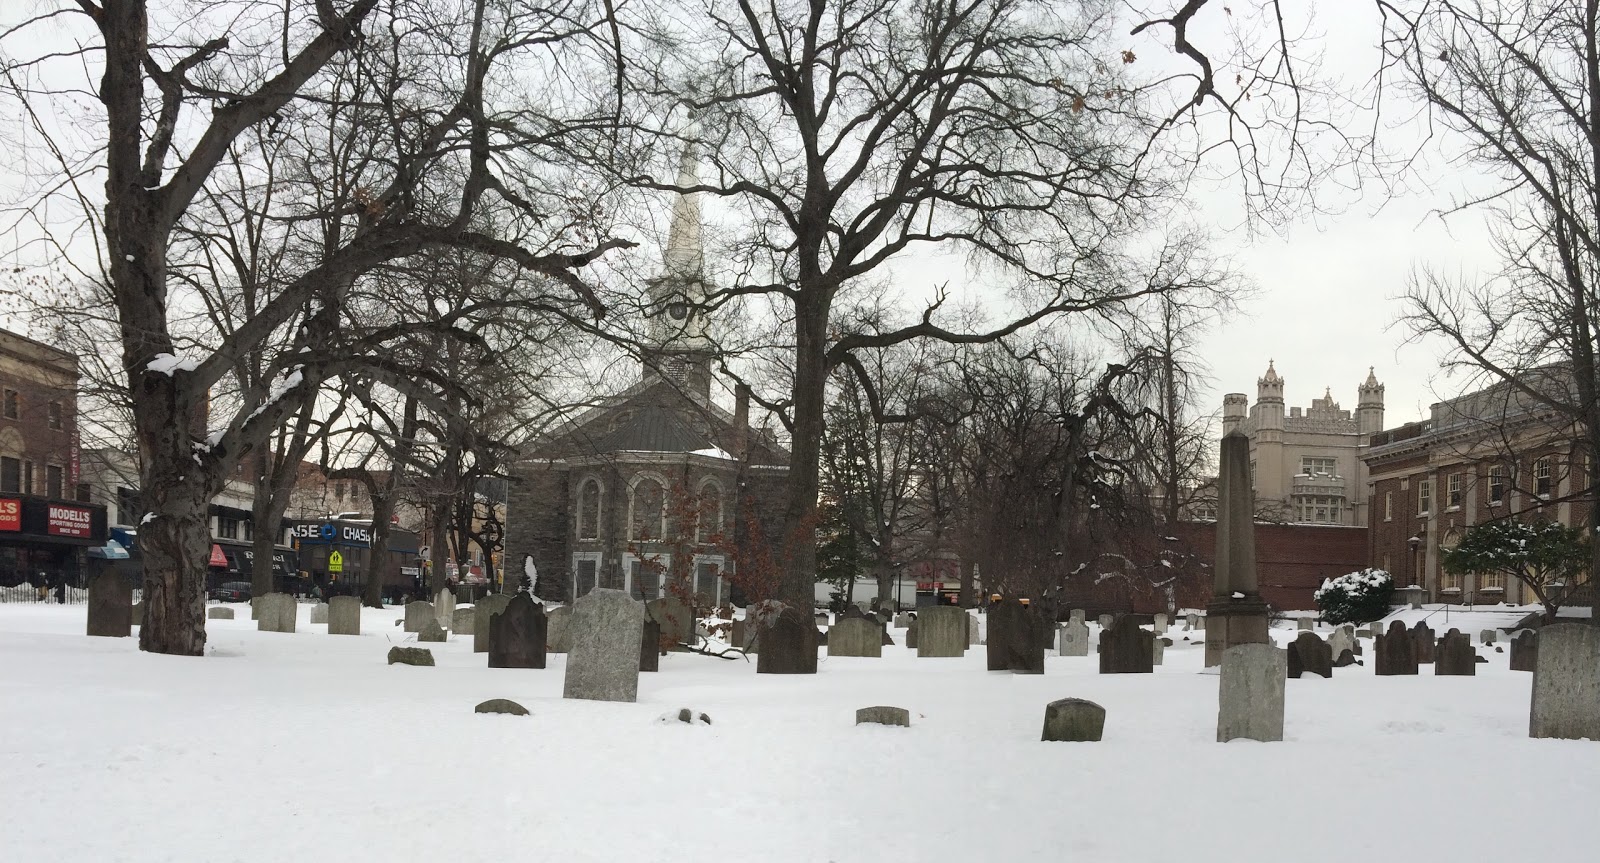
x: 227, y: 528
x: 1497, y: 484
x: 1449, y: 582
x: 1318, y: 509
x: 1495, y: 581
x: 55, y: 415
x: 247, y: 530
x: 1452, y: 491
x: 585, y: 573
x: 55, y: 481
x: 1313, y: 465
x: 645, y: 576
x: 10, y: 474
x: 27, y: 477
x: 1424, y: 497
x: 127, y: 506
x: 1388, y: 508
x: 708, y: 580
x: 709, y: 524
x: 11, y: 408
x: 1385, y: 565
x: 1541, y: 477
x: 589, y: 511
x: 647, y: 510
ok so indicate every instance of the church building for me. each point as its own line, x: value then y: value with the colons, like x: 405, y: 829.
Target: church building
x: 659, y: 484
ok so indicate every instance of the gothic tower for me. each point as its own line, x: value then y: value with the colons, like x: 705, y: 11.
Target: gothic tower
x: 1369, y: 405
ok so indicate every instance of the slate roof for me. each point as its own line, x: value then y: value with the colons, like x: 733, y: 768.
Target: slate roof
x: 653, y: 428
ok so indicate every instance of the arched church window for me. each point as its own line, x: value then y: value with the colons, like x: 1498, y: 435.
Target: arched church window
x: 648, y: 509
x: 711, y: 516
x: 589, y: 509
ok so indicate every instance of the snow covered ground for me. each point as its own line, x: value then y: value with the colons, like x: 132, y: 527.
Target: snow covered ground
x: 307, y: 746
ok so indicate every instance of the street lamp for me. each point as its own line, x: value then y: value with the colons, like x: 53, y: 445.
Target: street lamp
x: 1416, y: 567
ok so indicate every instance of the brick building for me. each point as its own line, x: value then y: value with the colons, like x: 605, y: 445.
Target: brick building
x: 659, y: 482
x: 1491, y: 454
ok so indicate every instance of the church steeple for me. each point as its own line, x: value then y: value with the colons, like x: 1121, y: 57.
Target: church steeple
x: 680, y: 348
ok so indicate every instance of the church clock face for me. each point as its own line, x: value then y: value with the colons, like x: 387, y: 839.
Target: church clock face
x: 678, y: 311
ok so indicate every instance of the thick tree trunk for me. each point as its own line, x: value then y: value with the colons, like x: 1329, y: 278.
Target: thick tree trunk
x: 378, y: 551
x: 969, y: 571
x: 439, y: 551
x: 799, y: 565
x: 885, y: 573
x: 266, y: 523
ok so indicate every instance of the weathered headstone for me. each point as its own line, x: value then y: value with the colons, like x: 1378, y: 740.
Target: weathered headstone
x: 1158, y: 649
x: 517, y: 635
x: 344, y: 616
x: 744, y: 635
x: 417, y: 614
x: 973, y: 635
x: 1524, y: 650
x: 1015, y: 643
x: 1106, y: 621
x: 483, y: 612
x: 501, y: 705
x: 855, y: 638
x: 277, y: 613
x: 1073, y: 720
x: 1305, y: 624
x: 1395, y: 652
x: 1487, y: 636
x: 1190, y: 621
x: 558, y: 638
x: 1346, y: 658
x: 217, y: 613
x: 319, y: 612
x: 1250, y: 697
x: 462, y: 619
x: 603, y: 664
x: 1126, y: 648
x: 111, y: 606
x: 941, y: 631
x: 432, y: 631
x: 675, y: 617
x: 1309, y: 654
x: 1422, y: 634
x: 789, y: 642
x: 1341, y: 639
x: 410, y: 656
x: 650, y: 646
x: 1160, y: 627
x: 1456, y: 656
x: 898, y: 716
x: 1074, y: 638
x: 444, y: 607
x: 903, y: 620
x: 1076, y: 615
x: 911, y: 635
x: 1566, y: 683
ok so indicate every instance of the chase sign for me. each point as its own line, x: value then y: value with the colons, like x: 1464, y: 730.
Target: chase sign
x: 331, y: 532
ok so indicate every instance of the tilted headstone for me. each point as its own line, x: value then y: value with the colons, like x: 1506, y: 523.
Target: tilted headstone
x: 444, y: 607
x: 558, y: 639
x: 344, y: 616
x: 897, y: 716
x: 603, y: 664
x: 1524, y: 650
x: 277, y: 613
x: 517, y: 635
x: 1250, y: 696
x: 789, y: 641
x: 675, y: 617
x: 941, y: 631
x: 216, y: 613
x: 417, y: 614
x: 1341, y: 639
x: 1455, y: 655
x: 1487, y: 636
x: 1422, y: 634
x: 1074, y: 638
x: 111, y: 606
x: 432, y: 631
x: 1309, y: 654
x: 855, y: 638
x: 1126, y: 648
x: 483, y: 612
x: 650, y: 646
x: 1566, y: 683
x: 1073, y: 720
x: 462, y: 619
x: 1395, y: 652
x: 319, y: 612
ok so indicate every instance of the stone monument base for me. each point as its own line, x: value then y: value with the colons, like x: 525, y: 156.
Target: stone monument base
x: 1232, y: 622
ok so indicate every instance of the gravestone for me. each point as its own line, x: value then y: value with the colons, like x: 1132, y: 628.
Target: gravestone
x: 1309, y: 654
x: 432, y: 631
x: 1236, y: 613
x: 444, y: 607
x: 911, y: 635
x: 851, y: 612
x: 1305, y: 624
x: 650, y: 646
x: 1077, y: 615
x: 789, y: 641
x: 1158, y: 649
x: 821, y: 618
x: 1250, y: 696
x: 1074, y: 638
x: 1524, y: 650
x: 501, y: 705
x: 897, y: 716
x: 903, y: 620
x: 1106, y: 621
x: 517, y: 635
x: 973, y: 636
x: 111, y: 606
x: 1190, y: 621
x: 1126, y: 648
x: 1341, y: 639
x: 1160, y: 627
x: 1487, y: 636
x: 1566, y: 683
x: 675, y: 617
x: 277, y: 613
x: 1456, y: 656
x: 1346, y: 658
x: 1422, y: 634
x: 462, y: 619
x: 941, y: 631
x: 136, y: 614
x: 1073, y: 720
x: 1396, y: 652
x: 855, y: 638
x: 319, y: 612
x: 344, y: 616
x: 217, y: 613
x: 603, y: 664
x: 411, y: 656
x: 417, y: 614
x: 483, y: 612
x: 558, y: 638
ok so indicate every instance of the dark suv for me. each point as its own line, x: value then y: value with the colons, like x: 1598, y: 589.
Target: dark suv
x: 232, y: 591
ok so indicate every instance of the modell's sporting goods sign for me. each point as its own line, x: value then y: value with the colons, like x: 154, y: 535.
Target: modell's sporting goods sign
x: 69, y: 521
x: 10, y: 514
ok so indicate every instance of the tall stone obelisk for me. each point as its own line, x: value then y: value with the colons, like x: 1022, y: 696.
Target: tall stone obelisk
x: 1237, y: 613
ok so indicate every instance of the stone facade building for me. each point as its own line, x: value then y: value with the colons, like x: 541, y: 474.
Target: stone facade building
x: 659, y: 482
x: 1307, y: 465
x: 1491, y: 454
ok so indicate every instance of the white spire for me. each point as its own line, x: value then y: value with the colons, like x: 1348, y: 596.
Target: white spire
x: 684, y: 258
x: 678, y: 295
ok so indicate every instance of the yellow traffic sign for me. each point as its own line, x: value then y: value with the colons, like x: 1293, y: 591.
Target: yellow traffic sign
x: 335, y: 562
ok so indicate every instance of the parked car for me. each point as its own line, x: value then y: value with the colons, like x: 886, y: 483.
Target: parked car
x: 232, y: 591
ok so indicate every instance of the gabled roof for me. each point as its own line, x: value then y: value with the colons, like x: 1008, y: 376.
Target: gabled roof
x: 653, y: 428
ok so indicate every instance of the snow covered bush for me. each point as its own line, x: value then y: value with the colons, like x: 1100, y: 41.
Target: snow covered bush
x: 1356, y: 597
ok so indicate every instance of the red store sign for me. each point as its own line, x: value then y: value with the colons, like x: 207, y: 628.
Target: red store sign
x: 69, y: 521
x: 10, y: 514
